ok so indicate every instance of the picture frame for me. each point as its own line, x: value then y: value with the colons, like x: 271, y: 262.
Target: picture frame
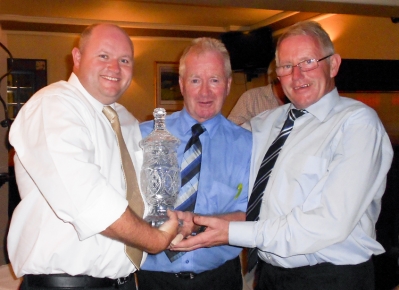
x: 167, y: 92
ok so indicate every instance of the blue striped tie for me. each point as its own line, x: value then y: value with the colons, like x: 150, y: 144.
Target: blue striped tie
x: 262, y: 178
x: 190, y: 173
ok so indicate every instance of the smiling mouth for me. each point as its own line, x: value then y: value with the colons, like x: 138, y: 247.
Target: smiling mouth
x: 110, y: 78
x: 301, y: 87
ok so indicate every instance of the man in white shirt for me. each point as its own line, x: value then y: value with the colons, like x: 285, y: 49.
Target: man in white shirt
x: 73, y: 222
x: 316, y: 226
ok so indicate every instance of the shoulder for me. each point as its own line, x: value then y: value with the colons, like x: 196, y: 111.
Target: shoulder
x: 171, y: 122
x: 60, y: 96
x: 356, y: 112
x: 259, y: 91
x: 268, y: 116
x: 60, y: 88
x: 235, y: 132
x: 146, y: 128
x: 125, y: 117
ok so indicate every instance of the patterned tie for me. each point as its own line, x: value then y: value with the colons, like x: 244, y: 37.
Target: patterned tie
x: 133, y: 194
x: 262, y: 178
x: 190, y: 172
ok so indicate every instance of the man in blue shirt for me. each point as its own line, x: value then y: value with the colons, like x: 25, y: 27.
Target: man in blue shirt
x: 205, y: 79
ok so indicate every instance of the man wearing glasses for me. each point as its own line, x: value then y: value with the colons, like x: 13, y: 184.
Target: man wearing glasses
x: 318, y: 173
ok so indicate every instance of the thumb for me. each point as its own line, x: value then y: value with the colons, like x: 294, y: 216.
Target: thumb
x: 202, y: 220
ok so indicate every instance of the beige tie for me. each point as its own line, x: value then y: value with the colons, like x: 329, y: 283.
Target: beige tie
x: 133, y: 194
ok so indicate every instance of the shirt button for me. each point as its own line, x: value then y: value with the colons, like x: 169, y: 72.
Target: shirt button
x: 187, y: 261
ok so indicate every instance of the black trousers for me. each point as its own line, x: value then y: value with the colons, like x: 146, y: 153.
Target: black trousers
x: 325, y: 276
x: 226, y: 277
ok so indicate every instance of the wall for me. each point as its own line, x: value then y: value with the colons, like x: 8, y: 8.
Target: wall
x: 369, y: 38
x: 354, y: 37
x: 140, y: 97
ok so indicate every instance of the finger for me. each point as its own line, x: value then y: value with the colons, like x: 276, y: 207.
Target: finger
x: 177, y: 240
x: 187, y: 244
x: 202, y: 220
x: 170, y: 226
x: 171, y: 214
x: 185, y: 249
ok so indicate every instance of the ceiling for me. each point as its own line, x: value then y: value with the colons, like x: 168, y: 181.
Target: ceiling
x: 179, y: 18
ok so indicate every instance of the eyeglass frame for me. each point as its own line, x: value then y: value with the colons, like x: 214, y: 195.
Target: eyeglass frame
x: 299, y: 65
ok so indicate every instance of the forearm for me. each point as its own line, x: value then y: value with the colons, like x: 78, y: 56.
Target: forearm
x: 134, y: 231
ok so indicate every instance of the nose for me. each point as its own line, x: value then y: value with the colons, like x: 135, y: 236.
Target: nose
x: 204, y: 90
x: 113, y: 65
x: 296, y: 72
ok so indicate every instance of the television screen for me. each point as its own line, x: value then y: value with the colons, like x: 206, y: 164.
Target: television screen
x: 250, y: 51
x: 368, y: 75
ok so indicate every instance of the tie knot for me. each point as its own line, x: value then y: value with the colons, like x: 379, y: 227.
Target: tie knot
x: 109, y: 112
x: 197, y: 130
x: 295, y: 113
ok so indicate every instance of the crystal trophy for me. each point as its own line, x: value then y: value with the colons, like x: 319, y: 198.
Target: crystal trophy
x: 160, y: 174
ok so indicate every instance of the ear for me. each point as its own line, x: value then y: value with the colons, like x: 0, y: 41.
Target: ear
x: 335, y: 62
x: 228, y: 85
x: 76, y: 55
x: 181, y: 84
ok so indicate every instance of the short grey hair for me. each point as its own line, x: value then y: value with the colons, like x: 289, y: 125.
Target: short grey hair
x: 202, y: 45
x: 309, y: 28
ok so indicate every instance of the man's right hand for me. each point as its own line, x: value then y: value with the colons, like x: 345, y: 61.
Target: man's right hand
x: 136, y: 232
x: 170, y: 227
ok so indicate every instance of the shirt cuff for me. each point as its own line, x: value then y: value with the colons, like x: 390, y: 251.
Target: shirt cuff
x: 242, y: 234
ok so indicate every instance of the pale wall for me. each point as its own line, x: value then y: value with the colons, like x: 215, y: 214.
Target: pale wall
x: 369, y: 38
x: 354, y: 37
x: 140, y: 97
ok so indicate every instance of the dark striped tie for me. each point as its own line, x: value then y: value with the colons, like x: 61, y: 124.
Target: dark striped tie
x: 262, y: 178
x: 190, y: 173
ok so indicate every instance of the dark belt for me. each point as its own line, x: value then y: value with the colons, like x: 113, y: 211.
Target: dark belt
x: 79, y: 281
x: 192, y: 275
x: 185, y: 275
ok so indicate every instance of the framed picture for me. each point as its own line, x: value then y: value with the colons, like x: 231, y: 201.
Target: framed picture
x: 168, y: 95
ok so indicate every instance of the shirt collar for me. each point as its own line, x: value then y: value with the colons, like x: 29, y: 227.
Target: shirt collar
x: 98, y: 106
x: 323, y: 107
x: 210, y: 125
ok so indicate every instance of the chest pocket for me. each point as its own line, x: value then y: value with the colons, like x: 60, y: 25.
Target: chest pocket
x: 220, y: 199
x: 306, y: 171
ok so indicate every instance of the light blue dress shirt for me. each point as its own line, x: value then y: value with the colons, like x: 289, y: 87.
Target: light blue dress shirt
x: 226, y: 154
x: 324, y: 195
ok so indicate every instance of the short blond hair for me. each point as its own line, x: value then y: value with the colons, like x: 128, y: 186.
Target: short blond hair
x: 309, y: 28
x: 205, y: 44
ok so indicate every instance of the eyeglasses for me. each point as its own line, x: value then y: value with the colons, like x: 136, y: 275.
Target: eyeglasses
x: 305, y: 65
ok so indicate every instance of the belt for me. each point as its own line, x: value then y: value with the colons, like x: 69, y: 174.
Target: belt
x: 185, y: 275
x: 79, y: 281
x: 191, y: 275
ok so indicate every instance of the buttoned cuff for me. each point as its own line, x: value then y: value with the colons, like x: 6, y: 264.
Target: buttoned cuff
x: 242, y: 234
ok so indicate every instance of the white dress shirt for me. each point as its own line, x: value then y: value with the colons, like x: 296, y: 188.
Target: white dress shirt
x: 324, y: 195
x: 69, y: 176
